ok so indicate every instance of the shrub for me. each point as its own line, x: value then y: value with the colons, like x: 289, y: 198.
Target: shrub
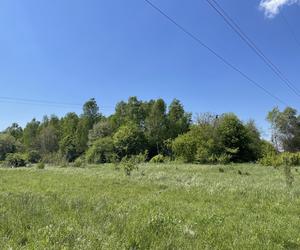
x: 131, y: 163
x: 102, y: 151
x: 283, y: 159
x: 141, y: 157
x: 79, y: 162
x: 7, y: 145
x: 129, y: 140
x: 40, y: 165
x: 33, y: 156
x: 185, y: 147
x: 16, y: 160
x: 224, y: 159
x: 158, y: 159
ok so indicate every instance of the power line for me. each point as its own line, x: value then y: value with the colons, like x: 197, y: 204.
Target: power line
x: 38, y: 101
x: 225, y: 61
x: 293, y: 33
x: 35, y: 102
x: 237, y: 29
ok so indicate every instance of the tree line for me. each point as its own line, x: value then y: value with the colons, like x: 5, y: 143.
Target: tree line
x: 150, y: 128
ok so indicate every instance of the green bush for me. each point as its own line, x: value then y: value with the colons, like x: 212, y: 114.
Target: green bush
x: 129, y: 164
x: 158, y: 159
x: 16, y: 160
x: 33, y: 156
x: 184, y: 147
x: 129, y: 140
x: 224, y: 159
x: 40, y: 165
x: 282, y: 159
x: 141, y: 157
x: 78, y: 163
x: 102, y: 151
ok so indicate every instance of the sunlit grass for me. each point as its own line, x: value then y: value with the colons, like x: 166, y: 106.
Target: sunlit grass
x: 168, y: 206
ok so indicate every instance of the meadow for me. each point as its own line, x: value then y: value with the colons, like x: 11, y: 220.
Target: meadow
x: 160, y: 206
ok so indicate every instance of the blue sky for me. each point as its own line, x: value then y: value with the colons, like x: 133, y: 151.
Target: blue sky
x: 71, y: 50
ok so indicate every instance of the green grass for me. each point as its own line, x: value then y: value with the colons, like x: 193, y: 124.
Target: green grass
x: 159, y: 207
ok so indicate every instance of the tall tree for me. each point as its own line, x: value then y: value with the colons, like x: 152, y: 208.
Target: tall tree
x: 156, y: 127
x: 285, y: 129
x: 15, y: 130
x: 7, y: 145
x: 178, y: 120
x: 91, y: 112
x: 30, y: 135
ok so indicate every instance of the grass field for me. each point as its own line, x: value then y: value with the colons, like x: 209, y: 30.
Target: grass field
x: 159, y: 207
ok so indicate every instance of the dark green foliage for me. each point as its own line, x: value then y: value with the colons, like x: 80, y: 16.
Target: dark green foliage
x: 91, y: 112
x: 40, y: 165
x: 7, y: 145
x: 30, y: 134
x: 233, y: 139
x: 220, y: 140
x: 68, y: 148
x: 48, y: 140
x: 16, y: 160
x: 156, y: 127
x: 15, y: 130
x: 101, y: 151
x: 33, y: 156
x: 137, y: 126
x: 178, y: 121
x: 221, y: 170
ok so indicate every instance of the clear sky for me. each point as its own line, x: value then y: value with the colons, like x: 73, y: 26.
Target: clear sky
x: 72, y: 50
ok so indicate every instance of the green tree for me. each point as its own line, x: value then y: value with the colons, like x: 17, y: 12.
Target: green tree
x: 131, y: 111
x: 15, y: 130
x: 48, y: 140
x: 129, y: 140
x: 156, y: 127
x: 7, y: 145
x: 103, y: 128
x: 232, y: 137
x: 69, y: 143
x: 184, y: 147
x: 91, y: 112
x: 30, y: 135
x: 178, y: 120
x: 254, y: 149
x: 69, y: 148
x: 102, y: 151
x: 285, y: 129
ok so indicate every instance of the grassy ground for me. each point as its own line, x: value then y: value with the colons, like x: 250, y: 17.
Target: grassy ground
x: 158, y: 207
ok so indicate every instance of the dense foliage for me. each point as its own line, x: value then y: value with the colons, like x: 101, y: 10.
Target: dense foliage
x: 219, y: 140
x: 165, y: 132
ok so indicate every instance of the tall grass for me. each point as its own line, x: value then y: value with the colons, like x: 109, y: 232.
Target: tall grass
x: 158, y: 207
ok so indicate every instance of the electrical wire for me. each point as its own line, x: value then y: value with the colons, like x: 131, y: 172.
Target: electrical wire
x: 225, y: 61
